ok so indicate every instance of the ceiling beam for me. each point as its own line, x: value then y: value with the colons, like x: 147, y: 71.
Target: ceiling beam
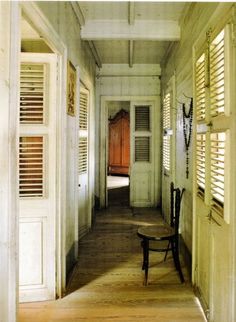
x: 165, y: 30
x: 80, y: 17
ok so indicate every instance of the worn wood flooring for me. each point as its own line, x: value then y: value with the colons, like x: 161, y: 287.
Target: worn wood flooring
x: 107, y: 283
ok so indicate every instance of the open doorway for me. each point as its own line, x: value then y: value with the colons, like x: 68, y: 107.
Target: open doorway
x: 118, y: 168
x: 42, y: 59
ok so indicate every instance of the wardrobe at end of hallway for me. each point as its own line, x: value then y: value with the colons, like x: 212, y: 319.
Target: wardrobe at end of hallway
x: 119, y: 143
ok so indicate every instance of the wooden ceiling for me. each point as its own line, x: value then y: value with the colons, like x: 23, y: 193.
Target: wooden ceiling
x: 129, y: 32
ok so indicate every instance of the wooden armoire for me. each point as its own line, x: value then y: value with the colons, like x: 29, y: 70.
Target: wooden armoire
x: 119, y: 144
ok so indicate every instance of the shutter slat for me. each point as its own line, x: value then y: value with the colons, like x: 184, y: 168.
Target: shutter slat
x: 32, y: 93
x: 142, y: 149
x: 200, y: 161
x: 217, y: 75
x: 217, y: 166
x: 142, y: 118
x: 31, y: 166
x: 200, y: 88
x: 83, y: 155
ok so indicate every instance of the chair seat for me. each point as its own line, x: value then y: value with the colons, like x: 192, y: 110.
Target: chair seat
x: 156, y: 232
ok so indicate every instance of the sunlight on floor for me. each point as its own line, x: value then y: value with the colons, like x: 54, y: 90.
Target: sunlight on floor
x: 117, y: 182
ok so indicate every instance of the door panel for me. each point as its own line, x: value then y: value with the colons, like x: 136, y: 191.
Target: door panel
x: 37, y: 177
x: 84, y: 217
x: 213, y: 177
x: 142, y: 155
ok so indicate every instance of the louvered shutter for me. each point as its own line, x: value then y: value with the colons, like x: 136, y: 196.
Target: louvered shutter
x: 142, y: 149
x: 83, y: 111
x: 166, y: 147
x: 31, y: 166
x: 201, y: 163
x: 142, y: 118
x: 83, y: 155
x: 218, y: 169
x: 83, y: 132
x: 217, y: 75
x: 200, y: 88
x: 142, y: 136
x: 32, y: 93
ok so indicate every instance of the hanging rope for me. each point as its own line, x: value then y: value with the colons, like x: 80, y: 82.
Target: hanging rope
x: 187, y: 129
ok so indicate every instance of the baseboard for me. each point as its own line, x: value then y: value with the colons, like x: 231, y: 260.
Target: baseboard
x: 186, y: 255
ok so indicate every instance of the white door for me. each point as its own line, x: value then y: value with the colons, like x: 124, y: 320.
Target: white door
x: 214, y: 138
x: 37, y: 177
x: 142, y: 161
x: 84, y: 217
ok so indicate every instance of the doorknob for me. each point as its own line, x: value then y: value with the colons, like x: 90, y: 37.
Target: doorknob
x: 79, y: 185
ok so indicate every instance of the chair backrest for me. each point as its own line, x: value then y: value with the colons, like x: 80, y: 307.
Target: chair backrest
x: 175, y: 201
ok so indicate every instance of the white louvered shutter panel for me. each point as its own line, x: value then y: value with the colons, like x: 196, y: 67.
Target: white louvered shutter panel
x: 142, y: 118
x: 83, y: 111
x: 217, y: 75
x: 166, y: 136
x: 142, y: 129
x: 201, y: 163
x: 142, y: 149
x: 32, y: 93
x: 218, y: 141
x: 166, y: 112
x: 83, y: 155
x: 31, y: 166
x: 200, y: 88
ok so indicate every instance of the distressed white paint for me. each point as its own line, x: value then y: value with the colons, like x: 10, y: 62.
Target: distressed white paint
x: 159, y: 30
x: 9, y: 73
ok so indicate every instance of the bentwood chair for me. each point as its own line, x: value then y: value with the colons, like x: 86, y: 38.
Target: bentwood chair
x: 164, y: 233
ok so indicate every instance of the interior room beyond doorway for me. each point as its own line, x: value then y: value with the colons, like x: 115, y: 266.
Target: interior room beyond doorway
x: 118, y: 167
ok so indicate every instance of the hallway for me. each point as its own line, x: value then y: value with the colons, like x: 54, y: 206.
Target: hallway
x: 107, y: 282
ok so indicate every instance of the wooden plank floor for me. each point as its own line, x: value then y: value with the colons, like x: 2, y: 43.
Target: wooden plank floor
x: 107, y: 284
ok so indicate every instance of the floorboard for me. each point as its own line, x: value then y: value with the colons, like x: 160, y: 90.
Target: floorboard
x: 107, y: 283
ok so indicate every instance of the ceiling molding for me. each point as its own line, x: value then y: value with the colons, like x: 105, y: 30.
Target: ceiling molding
x: 95, y: 54
x: 78, y: 12
x: 80, y: 17
x: 159, y: 30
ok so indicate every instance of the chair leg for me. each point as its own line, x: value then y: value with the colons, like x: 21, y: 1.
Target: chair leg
x: 175, y: 252
x: 145, y: 245
x: 168, y: 248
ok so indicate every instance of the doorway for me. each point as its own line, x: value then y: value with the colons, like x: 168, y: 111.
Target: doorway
x: 145, y: 154
x: 118, y: 168
x: 41, y: 245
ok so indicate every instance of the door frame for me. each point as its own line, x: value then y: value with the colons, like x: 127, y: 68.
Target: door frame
x: 36, y: 18
x: 103, y: 153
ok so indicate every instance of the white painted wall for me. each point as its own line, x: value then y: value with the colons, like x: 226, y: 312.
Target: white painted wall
x: 9, y: 51
x: 120, y: 80
x: 63, y: 20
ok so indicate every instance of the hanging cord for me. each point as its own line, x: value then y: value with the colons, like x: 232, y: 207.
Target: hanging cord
x: 187, y: 136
